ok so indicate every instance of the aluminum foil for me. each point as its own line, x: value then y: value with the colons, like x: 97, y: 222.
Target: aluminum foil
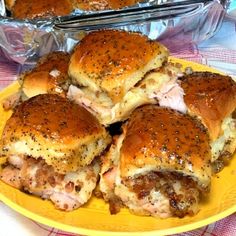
x: 172, y: 22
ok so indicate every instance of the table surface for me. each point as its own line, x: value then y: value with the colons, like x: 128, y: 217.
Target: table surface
x: 218, y: 52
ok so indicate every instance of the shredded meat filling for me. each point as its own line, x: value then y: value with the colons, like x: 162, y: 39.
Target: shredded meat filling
x: 182, y: 191
x: 115, y: 205
x: 67, y: 192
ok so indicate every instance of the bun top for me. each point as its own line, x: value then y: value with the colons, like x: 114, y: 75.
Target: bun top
x: 114, y: 61
x: 55, y: 129
x: 161, y: 139
x: 211, y: 97
x: 98, y: 5
x: 28, y: 9
x: 54, y: 61
x: 48, y: 76
x: 56, y: 118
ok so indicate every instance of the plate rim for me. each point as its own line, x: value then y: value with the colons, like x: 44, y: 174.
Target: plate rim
x: 174, y: 230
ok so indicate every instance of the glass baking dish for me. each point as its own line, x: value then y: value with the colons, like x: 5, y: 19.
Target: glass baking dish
x: 173, y: 22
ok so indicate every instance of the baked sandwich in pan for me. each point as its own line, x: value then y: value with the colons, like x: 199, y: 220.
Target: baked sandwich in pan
x: 30, y: 9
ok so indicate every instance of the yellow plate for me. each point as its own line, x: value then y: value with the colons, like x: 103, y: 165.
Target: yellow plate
x: 94, y: 217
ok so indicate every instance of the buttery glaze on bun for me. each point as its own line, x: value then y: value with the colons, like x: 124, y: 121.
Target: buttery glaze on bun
x: 114, y: 61
x: 98, y: 5
x: 212, y: 98
x: 29, y: 9
x: 159, y: 166
x: 113, y: 72
x: 9, y: 4
x: 167, y: 140
x: 48, y: 126
x: 50, y: 146
x: 48, y: 76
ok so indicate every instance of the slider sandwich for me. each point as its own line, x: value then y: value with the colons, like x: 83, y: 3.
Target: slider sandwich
x: 48, y: 76
x: 51, y: 147
x: 212, y: 98
x: 113, y: 72
x: 159, y: 165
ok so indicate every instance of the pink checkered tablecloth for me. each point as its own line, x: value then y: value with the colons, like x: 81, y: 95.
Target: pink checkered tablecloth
x: 218, y: 52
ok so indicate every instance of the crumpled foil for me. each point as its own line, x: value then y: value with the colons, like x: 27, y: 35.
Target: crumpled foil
x: 24, y: 41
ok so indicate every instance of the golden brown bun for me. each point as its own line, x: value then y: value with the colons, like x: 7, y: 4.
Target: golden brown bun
x: 96, y: 5
x: 114, y: 61
x: 66, y: 135
x: 54, y: 60
x: 9, y: 4
x: 48, y: 76
x: 211, y: 97
x: 41, y: 9
x: 161, y: 139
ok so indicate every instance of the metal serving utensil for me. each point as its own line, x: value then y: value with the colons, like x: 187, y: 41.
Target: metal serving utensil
x: 133, y: 15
